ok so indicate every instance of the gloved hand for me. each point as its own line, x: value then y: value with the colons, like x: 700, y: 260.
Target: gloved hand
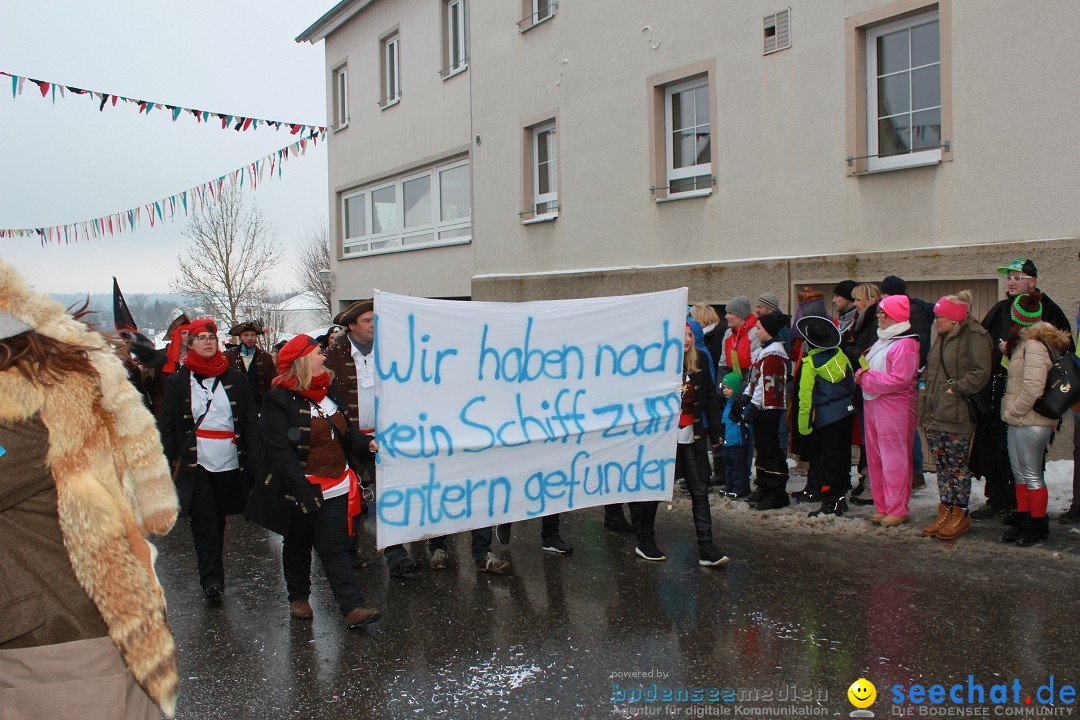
x: 738, y: 404
x: 308, y: 497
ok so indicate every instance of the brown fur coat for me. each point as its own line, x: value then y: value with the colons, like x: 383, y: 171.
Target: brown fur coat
x: 113, y: 485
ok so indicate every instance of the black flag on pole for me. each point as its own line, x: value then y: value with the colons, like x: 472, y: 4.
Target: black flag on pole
x: 121, y: 315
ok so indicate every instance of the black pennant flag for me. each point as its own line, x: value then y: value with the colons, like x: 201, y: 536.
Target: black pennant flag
x: 121, y: 315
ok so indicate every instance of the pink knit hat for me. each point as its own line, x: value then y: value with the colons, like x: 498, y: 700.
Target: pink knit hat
x: 897, y: 307
x: 950, y: 309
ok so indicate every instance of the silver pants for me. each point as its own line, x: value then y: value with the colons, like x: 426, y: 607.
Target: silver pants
x: 1027, y: 445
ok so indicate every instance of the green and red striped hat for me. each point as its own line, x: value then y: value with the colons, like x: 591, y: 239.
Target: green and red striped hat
x: 1027, y: 309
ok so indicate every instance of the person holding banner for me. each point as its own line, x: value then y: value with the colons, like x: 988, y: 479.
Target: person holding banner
x: 310, y: 494
x: 699, y: 402
x: 351, y: 361
x: 210, y: 432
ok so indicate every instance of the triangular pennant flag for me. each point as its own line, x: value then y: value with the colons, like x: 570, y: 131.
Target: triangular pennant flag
x: 14, y: 86
x: 22, y: 82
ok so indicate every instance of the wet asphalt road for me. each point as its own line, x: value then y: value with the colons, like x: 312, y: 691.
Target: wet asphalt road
x: 814, y: 604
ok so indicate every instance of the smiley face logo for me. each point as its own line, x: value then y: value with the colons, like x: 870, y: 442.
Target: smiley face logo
x: 862, y: 693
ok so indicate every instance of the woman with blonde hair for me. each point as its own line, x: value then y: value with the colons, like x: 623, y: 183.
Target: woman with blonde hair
x: 957, y: 368
x: 311, y: 493
x: 699, y: 400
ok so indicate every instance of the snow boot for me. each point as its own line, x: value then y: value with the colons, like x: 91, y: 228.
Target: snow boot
x: 1034, y: 531
x: 1013, y: 533
x: 958, y: 524
x: 944, y: 512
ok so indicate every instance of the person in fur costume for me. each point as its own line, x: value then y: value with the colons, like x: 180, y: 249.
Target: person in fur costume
x: 83, y: 482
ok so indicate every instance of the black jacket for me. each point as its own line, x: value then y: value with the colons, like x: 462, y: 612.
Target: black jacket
x: 176, y: 423
x: 707, y: 409
x: 285, y: 427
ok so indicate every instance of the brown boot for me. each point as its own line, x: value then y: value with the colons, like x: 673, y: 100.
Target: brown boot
x: 944, y: 512
x: 300, y: 609
x: 958, y: 524
x: 361, y: 616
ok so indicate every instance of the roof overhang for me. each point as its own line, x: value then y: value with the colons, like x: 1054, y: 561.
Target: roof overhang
x: 334, y: 18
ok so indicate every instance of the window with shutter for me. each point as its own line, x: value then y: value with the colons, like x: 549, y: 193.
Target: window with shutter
x: 777, y: 31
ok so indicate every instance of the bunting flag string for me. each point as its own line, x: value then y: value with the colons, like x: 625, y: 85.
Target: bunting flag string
x: 170, y: 207
x: 236, y: 122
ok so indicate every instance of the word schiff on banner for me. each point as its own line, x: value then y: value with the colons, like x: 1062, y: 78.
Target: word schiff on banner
x: 167, y: 208
x: 495, y: 412
x: 228, y: 120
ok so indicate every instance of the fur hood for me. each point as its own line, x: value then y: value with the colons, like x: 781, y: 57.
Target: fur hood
x: 1047, y: 333
x: 113, y: 485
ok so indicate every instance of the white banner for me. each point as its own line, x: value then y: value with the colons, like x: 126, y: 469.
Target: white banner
x: 488, y: 413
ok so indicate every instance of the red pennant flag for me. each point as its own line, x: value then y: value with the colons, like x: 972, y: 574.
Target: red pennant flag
x: 44, y: 87
x: 295, y: 129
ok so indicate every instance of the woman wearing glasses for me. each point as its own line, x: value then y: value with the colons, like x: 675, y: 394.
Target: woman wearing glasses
x: 210, y: 431
x: 311, y: 493
x: 887, y: 379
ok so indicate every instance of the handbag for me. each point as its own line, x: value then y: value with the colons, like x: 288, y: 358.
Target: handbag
x: 978, y: 406
x: 1062, y: 386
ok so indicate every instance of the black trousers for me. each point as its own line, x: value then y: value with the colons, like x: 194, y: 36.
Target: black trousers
x: 210, y: 496
x: 481, y: 543
x: 830, y: 459
x: 771, y: 460
x: 327, y: 531
x: 691, y: 460
x: 643, y: 516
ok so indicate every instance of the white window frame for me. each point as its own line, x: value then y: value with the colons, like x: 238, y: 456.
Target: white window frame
x: 392, y: 70
x: 398, y: 239
x: 549, y: 197
x: 536, y: 11
x: 692, y: 171
x: 341, y: 94
x: 455, y: 65
x: 911, y: 159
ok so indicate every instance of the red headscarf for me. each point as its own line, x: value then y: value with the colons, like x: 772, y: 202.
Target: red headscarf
x: 291, y: 351
x: 173, y: 353
x: 213, y: 366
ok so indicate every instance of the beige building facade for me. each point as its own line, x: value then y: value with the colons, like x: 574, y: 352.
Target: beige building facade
x: 729, y: 146
x: 397, y: 87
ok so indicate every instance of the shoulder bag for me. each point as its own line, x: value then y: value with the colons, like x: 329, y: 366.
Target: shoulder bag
x: 977, y: 405
x: 1062, y: 386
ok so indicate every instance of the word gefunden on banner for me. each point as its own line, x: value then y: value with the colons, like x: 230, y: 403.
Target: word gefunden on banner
x: 497, y: 412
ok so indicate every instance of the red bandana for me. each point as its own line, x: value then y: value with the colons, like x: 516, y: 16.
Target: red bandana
x: 211, y: 367
x: 173, y: 354
x: 316, y: 393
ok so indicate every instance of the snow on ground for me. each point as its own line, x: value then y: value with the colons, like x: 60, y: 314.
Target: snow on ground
x: 733, y: 517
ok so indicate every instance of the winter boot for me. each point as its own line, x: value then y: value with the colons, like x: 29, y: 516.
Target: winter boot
x: 1013, y: 533
x: 831, y: 507
x: 1034, y: 531
x: 777, y: 496
x: 944, y: 512
x: 760, y: 493
x: 958, y: 524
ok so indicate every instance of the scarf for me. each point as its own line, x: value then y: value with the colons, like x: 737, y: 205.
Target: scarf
x: 364, y: 348
x: 247, y: 351
x: 212, y: 367
x: 316, y: 393
x: 173, y: 353
x: 893, y: 330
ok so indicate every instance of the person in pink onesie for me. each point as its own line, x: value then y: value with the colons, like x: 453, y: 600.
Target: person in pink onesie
x: 887, y: 377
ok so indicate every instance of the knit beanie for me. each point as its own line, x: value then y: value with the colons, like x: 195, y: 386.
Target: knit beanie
x: 843, y: 289
x: 773, y: 323
x: 897, y: 307
x: 1027, y: 309
x: 950, y: 309
x: 732, y: 380
x: 739, y: 306
x: 770, y: 300
x: 893, y: 285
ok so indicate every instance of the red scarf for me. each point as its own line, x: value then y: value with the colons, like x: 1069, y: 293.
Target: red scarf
x: 211, y: 367
x: 173, y: 353
x: 316, y: 393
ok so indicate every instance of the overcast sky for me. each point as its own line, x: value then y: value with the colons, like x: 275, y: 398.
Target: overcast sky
x: 69, y: 162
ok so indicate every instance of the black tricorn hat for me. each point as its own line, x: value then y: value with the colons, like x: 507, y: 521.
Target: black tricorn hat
x: 350, y: 314
x: 819, y: 331
x: 249, y: 326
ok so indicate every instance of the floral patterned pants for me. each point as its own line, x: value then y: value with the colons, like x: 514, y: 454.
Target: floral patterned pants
x: 951, y: 451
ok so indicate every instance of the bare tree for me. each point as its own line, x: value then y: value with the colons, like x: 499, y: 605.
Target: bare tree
x: 228, y: 264
x: 315, y: 257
